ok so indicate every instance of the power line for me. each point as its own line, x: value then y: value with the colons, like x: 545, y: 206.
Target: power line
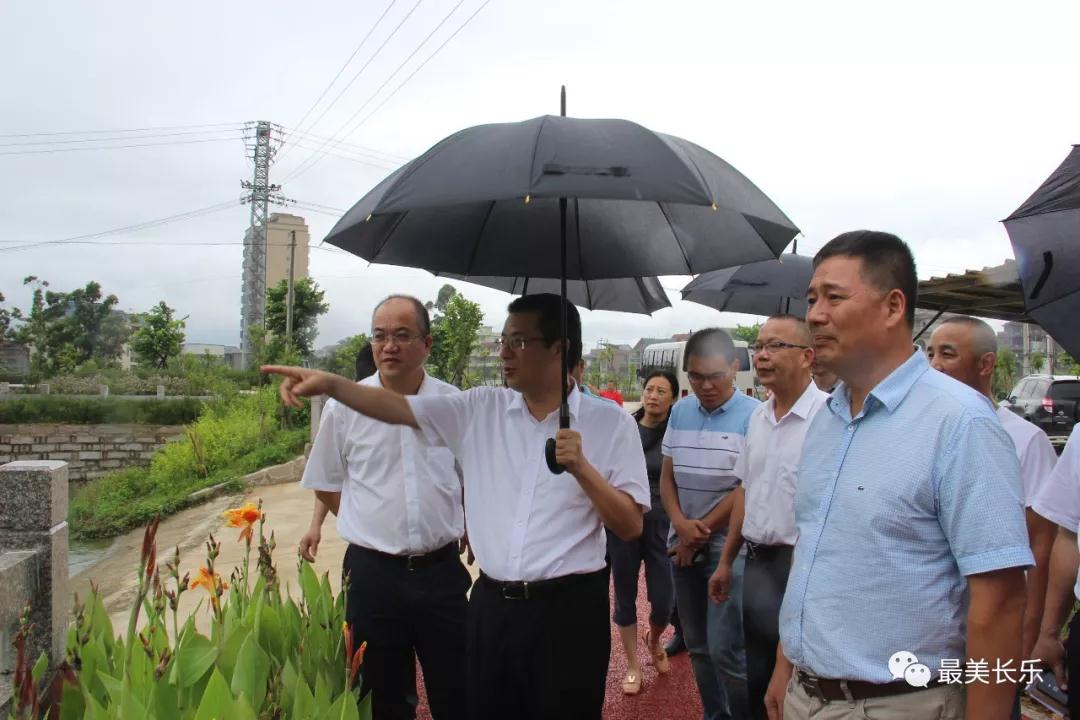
x: 351, y: 147
x: 313, y: 159
x: 128, y: 130
x: 238, y: 128
x: 365, y: 65
x: 123, y: 147
x: 81, y: 239
x: 361, y: 160
x: 297, y: 171
x: 315, y: 104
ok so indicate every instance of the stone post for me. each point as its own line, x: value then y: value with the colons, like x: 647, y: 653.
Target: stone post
x: 161, y: 392
x: 43, y: 388
x: 5, y: 388
x: 104, y: 390
x: 34, y: 556
x: 317, y: 404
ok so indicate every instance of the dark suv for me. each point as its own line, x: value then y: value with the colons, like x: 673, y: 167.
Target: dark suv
x: 1050, y: 401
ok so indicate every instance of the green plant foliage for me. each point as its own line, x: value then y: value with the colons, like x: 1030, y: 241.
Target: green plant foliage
x: 98, y: 410
x: 232, y: 437
x: 266, y: 655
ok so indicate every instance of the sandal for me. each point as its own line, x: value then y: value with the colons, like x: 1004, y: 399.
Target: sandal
x: 632, y: 684
x: 658, y: 658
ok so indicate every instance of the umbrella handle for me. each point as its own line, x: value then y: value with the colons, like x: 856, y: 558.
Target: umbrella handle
x: 549, y: 455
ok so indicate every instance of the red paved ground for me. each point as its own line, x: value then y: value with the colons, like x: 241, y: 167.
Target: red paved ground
x: 663, y: 697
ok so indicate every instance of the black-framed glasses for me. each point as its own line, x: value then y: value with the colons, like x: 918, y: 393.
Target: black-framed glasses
x: 714, y: 378
x: 517, y: 342
x: 401, y: 337
x: 775, y: 346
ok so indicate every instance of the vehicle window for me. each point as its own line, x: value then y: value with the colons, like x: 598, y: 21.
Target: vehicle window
x: 1015, y: 392
x: 744, y: 358
x: 1025, y: 389
x: 1041, y: 388
x: 1066, y: 390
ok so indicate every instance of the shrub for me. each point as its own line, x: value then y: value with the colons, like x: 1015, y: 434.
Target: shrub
x: 98, y: 410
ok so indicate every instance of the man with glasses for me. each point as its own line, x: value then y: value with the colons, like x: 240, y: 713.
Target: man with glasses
x: 538, y: 638
x: 706, y: 435
x: 764, y: 512
x: 398, y: 501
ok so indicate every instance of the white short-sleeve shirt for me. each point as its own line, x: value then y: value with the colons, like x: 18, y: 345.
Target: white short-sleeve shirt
x: 524, y: 522
x: 769, y: 467
x: 1059, y: 499
x: 399, y: 493
x: 1037, y: 456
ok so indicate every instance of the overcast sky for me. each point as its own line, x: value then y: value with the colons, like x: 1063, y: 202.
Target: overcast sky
x: 933, y: 121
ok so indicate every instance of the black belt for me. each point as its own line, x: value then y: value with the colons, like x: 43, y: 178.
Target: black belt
x: 416, y: 562
x: 764, y: 552
x: 827, y: 690
x: 532, y: 589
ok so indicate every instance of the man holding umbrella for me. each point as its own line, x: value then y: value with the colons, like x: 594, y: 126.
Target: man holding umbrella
x: 538, y: 536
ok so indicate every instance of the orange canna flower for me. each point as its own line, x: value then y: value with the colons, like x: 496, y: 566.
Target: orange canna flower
x: 244, y: 517
x: 208, y: 580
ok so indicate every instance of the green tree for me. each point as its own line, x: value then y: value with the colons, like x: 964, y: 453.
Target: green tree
x: 342, y: 360
x: 1067, y: 364
x: 749, y: 334
x: 68, y: 329
x: 308, y: 305
x: 1038, y: 362
x: 1004, y: 372
x: 454, y: 332
x: 159, y: 337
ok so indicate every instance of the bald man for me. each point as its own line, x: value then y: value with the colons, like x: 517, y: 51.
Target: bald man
x: 965, y: 349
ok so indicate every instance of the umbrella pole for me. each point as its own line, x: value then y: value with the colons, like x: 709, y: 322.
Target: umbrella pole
x: 564, y: 407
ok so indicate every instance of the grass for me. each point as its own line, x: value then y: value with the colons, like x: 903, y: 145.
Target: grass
x: 231, y: 439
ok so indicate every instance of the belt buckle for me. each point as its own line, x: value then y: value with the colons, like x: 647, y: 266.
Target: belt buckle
x: 812, y: 686
x: 515, y: 591
x: 412, y: 562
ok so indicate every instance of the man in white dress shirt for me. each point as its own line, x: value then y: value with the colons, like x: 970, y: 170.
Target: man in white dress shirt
x: 965, y: 349
x: 398, y: 501
x: 538, y: 633
x: 764, y: 511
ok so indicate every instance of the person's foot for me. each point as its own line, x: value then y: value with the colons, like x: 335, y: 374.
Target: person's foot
x: 675, y: 645
x: 632, y: 684
x: 657, y: 655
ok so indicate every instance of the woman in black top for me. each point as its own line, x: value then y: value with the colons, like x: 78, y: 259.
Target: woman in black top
x: 660, y: 393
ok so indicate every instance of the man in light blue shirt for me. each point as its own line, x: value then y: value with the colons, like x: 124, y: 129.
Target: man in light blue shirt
x: 912, y: 540
x: 706, y: 433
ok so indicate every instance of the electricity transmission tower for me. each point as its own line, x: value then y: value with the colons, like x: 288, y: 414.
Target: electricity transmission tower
x: 262, y: 146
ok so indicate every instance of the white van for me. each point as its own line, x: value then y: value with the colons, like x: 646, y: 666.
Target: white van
x: 672, y: 355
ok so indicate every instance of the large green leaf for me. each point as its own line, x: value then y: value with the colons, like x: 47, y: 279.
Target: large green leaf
x: 72, y: 703
x: 364, y: 708
x: 38, y: 671
x: 271, y: 636
x: 114, y: 687
x: 217, y: 701
x: 251, y: 672
x: 194, y: 658
x: 242, y: 710
x: 322, y: 694
x: 94, y: 660
x: 303, y: 706
x: 290, y: 680
x: 344, y: 708
x: 164, y: 702
x: 230, y: 650
x: 101, y: 625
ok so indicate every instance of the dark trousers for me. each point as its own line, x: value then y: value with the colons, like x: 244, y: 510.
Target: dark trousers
x: 403, y: 615
x: 767, y: 570
x: 540, y: 658
x: 626, y: 558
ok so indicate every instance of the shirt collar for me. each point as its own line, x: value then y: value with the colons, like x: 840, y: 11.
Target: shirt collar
x: 573, y: 401
x: 802, y: 406
x: 891, y: 391
x: 722, y: 409
x: 426, y: 387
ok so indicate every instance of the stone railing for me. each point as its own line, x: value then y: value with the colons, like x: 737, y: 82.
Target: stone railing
x: 33, y: 562
x: 89, y: 450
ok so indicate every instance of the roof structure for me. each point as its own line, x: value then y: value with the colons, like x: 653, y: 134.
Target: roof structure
x: 993, y: 292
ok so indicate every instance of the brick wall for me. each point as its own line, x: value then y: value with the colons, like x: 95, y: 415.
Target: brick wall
x: 89, y: 450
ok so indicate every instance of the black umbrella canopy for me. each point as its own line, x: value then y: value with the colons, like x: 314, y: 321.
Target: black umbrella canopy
x: 1045, y: 235
x: 643, y: 296
x: 769, y: 287
x: 485, y: 201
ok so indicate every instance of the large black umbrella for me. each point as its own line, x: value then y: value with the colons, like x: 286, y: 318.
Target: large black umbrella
x: 642, y: 295
x: 769, y: 287
x: 567, y: 198
x: 1045, y: 235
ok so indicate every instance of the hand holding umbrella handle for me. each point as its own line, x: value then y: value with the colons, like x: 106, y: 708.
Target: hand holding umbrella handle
x: 549, y: 448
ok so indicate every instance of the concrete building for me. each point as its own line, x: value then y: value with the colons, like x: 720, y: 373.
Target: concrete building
x: 279, y: 229
x: 484, y: 363
x: 227, y: 354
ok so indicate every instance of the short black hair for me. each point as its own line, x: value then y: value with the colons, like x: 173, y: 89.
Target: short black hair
x: 548, y: 308
x: 365, y: 362
x: 423, y: 319
x: 711, y: 342
x: 887, y: 263
x: 800, y: 325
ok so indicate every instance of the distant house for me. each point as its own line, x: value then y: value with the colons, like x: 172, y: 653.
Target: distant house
x: 228, y: 354
x: 484, y: 364
x: 14, y: 359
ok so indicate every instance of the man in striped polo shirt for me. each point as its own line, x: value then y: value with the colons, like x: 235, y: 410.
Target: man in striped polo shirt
x: 705, y: 435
